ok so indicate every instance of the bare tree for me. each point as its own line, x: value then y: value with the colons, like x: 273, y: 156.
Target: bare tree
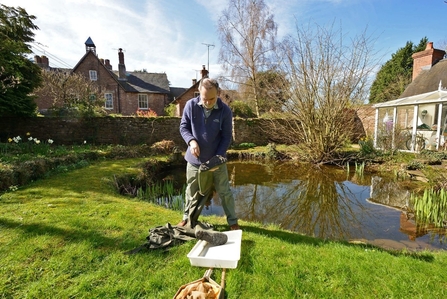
x: 326, y: 78
x: 247, y: 33
x: 72, y: 93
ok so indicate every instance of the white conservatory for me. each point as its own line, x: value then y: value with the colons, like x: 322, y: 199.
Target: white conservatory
x: 413, y: 123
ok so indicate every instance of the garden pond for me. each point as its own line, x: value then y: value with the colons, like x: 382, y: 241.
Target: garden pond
x: 326, y: 202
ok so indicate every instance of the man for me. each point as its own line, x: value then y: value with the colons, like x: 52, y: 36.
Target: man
x: 206, y: 127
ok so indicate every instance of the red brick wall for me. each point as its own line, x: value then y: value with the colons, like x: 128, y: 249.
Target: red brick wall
x: 366, y: 115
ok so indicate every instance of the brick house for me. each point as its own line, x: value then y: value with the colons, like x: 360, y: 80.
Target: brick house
x: 125, y: 92
x: 422, y: 108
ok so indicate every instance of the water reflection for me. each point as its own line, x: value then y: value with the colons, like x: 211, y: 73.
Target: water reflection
x: 311, y: 201
x: 325, y: 202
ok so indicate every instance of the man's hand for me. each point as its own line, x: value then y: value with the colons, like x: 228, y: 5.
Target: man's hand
x: 194, y: 148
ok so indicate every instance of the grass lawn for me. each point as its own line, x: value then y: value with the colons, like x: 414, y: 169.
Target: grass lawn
x: 65, y: 237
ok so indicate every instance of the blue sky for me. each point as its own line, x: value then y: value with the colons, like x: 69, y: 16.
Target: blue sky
x: 170, y: 35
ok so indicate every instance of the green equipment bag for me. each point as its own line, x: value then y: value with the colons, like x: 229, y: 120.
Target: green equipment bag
x: 162, y: 237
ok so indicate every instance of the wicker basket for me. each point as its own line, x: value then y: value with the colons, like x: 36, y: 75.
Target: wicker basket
x: 205, y: 287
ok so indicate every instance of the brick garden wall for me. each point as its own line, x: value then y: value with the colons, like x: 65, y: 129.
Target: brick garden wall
x: 114, y: 130
x: 121, y: 130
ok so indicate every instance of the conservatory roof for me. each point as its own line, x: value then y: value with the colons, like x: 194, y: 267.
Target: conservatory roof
x: 437, y: 96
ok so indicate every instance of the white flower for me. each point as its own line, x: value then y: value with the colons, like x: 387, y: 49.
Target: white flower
x: 37, y: 141
x: 85, y: 141
x: 50, y: 141
x: 30, y: 138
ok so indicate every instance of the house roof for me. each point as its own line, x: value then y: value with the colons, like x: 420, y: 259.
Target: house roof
x: 426, y: 88
x: 177, y: 91
x: 145, y: 82
x: 427, y: 80
x: 193, y: 87
x: 136, y: 81
x: 437, y: 96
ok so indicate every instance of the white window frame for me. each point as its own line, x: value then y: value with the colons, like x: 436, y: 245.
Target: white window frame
x: 143, y: 102
x: 93, y: 75
x: 109, y: 100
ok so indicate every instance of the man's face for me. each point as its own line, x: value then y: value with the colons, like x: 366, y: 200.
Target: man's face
x: 208, y: 96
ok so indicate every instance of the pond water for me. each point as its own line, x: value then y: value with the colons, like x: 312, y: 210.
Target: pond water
x: 326, y: 202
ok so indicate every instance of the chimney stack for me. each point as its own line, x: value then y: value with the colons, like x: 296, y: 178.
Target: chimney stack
x: 121, y: 65
x: 194, y: 81
x: 45, y: 62
x: 204, y: 72
x: 37, y: 60
x: 424, y: 60
x: 107, y: 64
x: 42, y: 61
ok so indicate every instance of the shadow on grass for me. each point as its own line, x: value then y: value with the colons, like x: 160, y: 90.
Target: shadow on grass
x: 71, y: 235
x: 294, y: 238
x: 100, y: 241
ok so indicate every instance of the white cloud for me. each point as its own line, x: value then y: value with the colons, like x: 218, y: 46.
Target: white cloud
x: 155, y: 35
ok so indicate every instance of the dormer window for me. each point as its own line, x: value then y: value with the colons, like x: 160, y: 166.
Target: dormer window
x: 93, y: 75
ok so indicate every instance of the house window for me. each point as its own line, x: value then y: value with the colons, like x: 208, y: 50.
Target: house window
x: 143, y: 102
x: 93, y: 75
x: 196, y: 94
x: 109, y: 101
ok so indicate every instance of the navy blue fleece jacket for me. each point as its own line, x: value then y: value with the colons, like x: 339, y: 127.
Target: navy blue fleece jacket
x: 213, y: 134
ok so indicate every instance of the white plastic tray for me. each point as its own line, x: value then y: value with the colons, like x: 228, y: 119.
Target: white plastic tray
x: 224, y: 256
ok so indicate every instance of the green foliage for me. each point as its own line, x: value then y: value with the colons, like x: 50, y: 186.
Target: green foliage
x: 163, y: 193
x: 395, y: 74
x: 18, y: 75
x: 415, y: 165
x: 431, y: 208
x: 434, y: 157
x: 170, y: 110
x: 242, y: 109
x: 366, y: 146
x: 245, y: 145
x: 359, y: 168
